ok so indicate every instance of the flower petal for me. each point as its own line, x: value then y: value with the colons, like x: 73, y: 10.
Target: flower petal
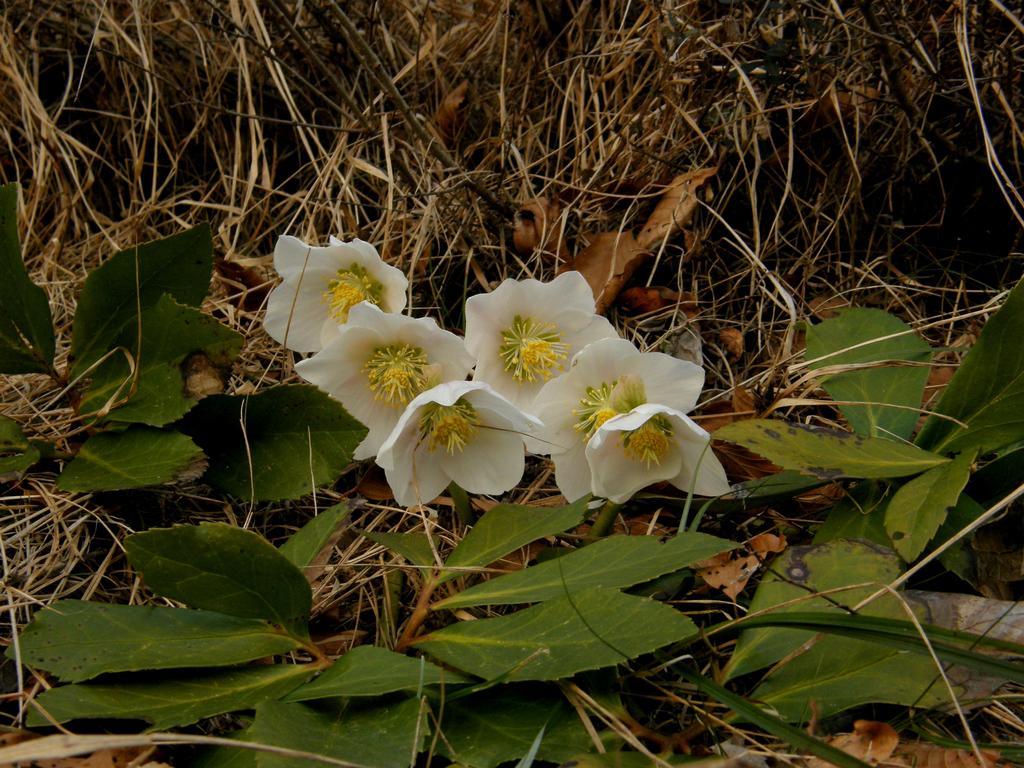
x: 572, y: 472
x: 616, y: 475
x: 493, y: 463
x: 296, y: 312
x: 700, y: 469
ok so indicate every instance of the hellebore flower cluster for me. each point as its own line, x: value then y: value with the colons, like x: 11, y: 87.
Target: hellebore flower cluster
x: 549, y: 376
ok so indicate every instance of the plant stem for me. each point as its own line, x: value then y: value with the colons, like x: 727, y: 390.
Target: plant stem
x: 419, y: 613
x: 605, y: 519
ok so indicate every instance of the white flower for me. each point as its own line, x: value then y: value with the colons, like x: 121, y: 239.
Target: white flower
x: 321, y: 284
x: 379, y: 362
x: 461, y: 432
x: 649, y: 444
x: 526, y: 331
x: 608, y: 378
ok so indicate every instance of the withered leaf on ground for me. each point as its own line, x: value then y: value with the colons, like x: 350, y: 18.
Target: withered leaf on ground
x: 731, y: 340
x: 870, y: 741
x: 608, y: 262
x: 449, y: 116
x: 640, y: 300
x: 730, y: 572
x: 675, y: 209
x: 537, y: 228
x: 878, y: 744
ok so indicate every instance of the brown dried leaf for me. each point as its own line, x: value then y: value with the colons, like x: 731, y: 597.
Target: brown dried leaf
x: 730, y: 573
x: 924, y: 755
x: 856, y: 104
x: 675, y: 209
x: 536, y: 228
x: 449, y: 116
x: 731, y: 340
x: 640, y: 300
x: 870, y: 741
x: 374, y: 486
x: 938, y: 377
x: 254, y: 287
x: 824, y: 307
x: 608, y: 262
x: 879, y: 744
x: 765, y: 544
x: 202, y: 378
x: 105, y: 758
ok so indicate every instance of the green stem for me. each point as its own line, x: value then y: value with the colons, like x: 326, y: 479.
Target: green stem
x: 605, y: 519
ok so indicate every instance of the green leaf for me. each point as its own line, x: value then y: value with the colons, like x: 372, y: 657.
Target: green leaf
x: 615, y: 561
x: 134, y: 279
x: 506, y: 528
x: 227, y: 757
x: 413, y: 546
x: 858, y: 515
x: 26, y: 328
x: 78, y: 640
x: 858, y: 336
x: 800, y: 572
x: 918, y: 508
x: 171, y: 699
x: 490, y: 728
x: 171, y: 334
x: 295, y: 438
x: 871, y: 665
x: 135, y: 458
x: 309, y: 541
x: 827, y: 453
x: 987, y: 391
x: 948, y: 645
x: 760, y: 492
x: 558, y: 638
x: 371, y: 671
x: 219, y: 567
x: 17, y: 454
x: 960, y: 558
x: 838, y: 673
x: 796, y: 737
x: 376, y: 736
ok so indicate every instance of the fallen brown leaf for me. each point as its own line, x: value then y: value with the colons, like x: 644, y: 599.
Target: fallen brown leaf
x: 374, y: 486
x: 640, y: 300
x: 449, y: 116
x: 740, y: 464
x: 254, y: 286
x: 608, y: 262
x: 675, y: 209
x: 202, y: 377
x: 824, y: 307
x: 924, y: 755
x: 870, y: 741
x: 856, y: 104
x: 878, y: 744
x: 731, y: 340
x: 105, y: 758
x: 938, y: 377
x: 536, y: 228
x: 730, y: 572
x: 765, y: 544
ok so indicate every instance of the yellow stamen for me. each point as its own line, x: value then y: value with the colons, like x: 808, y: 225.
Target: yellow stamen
x: 348, y: 288
x: 595, y: 409
x: 451, y: 426
x: 532, y: 350
x: 649, y: 443
x: 396, y: 373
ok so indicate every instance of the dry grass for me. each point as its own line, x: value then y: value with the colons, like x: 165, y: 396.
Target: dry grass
x: 874, y: 154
